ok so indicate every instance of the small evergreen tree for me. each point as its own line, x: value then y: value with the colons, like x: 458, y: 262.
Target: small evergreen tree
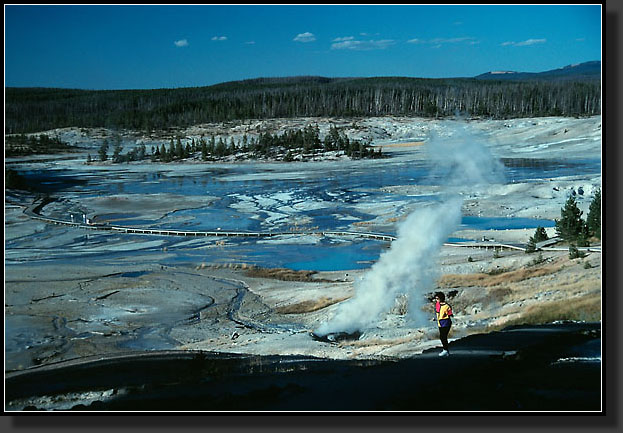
x: 593, y: 219
x: 531, y: 245
x: 537, y: 260
x: 141, y: 152
x: 103, y: 150
x: 570, y: 226
x: 221, y: 148
x: 583, y: 237
x: 171, y: 152
x: 179, y: 149
x: 204, y: 149
x: 540, y: 234
x: 116, y: 156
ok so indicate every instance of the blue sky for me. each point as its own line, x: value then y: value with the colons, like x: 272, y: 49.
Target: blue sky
x: 159, y: 46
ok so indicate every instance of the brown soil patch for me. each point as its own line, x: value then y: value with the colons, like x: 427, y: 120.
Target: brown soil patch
x: 308, y: 306
x: 281, y: 274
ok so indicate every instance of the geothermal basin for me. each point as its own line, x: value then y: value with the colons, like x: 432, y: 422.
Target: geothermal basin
x: 73, y: 294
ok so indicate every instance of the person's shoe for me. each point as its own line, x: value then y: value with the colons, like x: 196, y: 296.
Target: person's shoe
x: 444, y: 353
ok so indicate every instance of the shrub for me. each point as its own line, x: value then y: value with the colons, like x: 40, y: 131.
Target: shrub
x: 497, y: 271
x: 574, y: 253
x: 537, y: 260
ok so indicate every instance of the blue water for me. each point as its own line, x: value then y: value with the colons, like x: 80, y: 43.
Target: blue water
x: 341, y: 188
x: 488, y: 223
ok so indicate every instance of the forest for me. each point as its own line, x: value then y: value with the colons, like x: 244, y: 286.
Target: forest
x: 29, y: 110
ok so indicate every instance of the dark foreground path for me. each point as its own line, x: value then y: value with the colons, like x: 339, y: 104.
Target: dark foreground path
x: 539, y: 368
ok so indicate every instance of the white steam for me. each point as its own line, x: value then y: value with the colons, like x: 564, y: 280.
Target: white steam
x: 404, y: 268
x: 461, y: 159
x: 409, y: 267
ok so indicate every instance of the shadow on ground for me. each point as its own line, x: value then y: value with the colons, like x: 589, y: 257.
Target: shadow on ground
x: 538, y: 368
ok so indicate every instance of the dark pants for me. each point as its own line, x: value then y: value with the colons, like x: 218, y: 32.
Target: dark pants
x: 443, y: 336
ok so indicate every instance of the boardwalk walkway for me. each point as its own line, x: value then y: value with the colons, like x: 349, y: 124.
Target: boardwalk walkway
x: 33, y: 212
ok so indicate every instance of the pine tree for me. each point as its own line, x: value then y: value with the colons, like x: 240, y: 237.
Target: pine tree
x: 593, y: 219
x: 583, y: 237
x: 103, y: 150
x: 204, y: 149
x: 570, y: 226
x: 179, y: 149
x: 540, y: 234
x: 116, y: 156
x: 531, y: 245
x: 221, y: 147
x: 141, y: 152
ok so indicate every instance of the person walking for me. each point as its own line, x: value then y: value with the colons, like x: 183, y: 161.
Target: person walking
x: 443, y: 313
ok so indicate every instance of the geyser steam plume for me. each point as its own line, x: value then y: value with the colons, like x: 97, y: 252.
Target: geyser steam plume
x: 409, y: 266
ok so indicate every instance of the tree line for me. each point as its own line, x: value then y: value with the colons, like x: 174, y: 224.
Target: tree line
x: 38, y: 109
x: 20, y: 145
x: 266, y: 145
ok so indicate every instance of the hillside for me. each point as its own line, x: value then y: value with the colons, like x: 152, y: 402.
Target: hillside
x: 37, y: 109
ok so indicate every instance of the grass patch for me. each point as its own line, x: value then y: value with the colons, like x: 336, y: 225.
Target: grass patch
x: 281, y: 274
x: 494, y: 278
x: 585, y: 308
x: 497, y: 271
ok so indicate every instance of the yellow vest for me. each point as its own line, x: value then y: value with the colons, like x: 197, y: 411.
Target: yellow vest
x: 443, y: 315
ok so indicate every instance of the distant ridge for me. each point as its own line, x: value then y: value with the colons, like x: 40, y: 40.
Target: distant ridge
x: 579, y: 71
x: 501, y: 95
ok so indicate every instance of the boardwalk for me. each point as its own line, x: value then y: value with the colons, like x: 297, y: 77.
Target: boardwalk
x: 33, y: 212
